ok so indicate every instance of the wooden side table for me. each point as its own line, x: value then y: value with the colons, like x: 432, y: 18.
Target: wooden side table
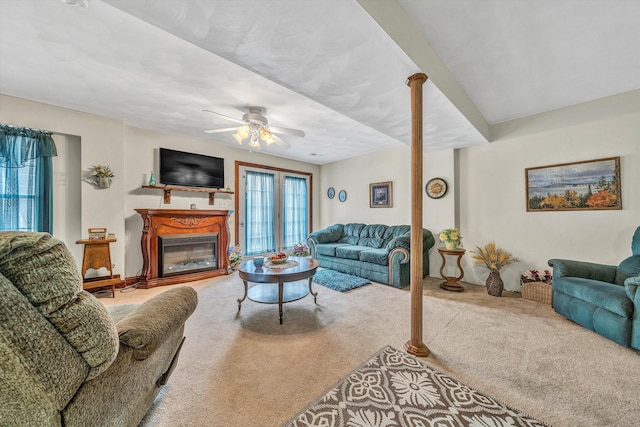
x: 97, y: 255
x: 451, y: 283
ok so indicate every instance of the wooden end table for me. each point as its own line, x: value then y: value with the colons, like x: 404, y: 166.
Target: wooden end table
x: 451, y: 283
x: 269, y: 275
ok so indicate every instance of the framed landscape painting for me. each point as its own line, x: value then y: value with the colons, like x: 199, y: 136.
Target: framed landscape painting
x: 380, y: 195
x: 586, y: 185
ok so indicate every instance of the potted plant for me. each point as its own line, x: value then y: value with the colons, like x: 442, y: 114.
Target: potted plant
x: 451, y: 238
x: 494, y: 259
x: 100, y: 176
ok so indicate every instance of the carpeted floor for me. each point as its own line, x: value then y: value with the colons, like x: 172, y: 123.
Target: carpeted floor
x: 245, y: 369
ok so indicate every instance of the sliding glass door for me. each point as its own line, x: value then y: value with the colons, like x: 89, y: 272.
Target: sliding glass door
x: 273, y: 210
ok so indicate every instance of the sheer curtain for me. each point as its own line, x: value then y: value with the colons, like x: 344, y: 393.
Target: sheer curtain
x: 295, y: 211
x: 26, y: 179
x: 259, y: 217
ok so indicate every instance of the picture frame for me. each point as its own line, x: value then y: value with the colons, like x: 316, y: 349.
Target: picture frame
x: 577, y: 186
x: 381, y: 195
x: 97, y: 233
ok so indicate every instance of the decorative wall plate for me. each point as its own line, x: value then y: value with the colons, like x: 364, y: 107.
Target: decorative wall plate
x: 436, y: 188
x: 342, y: 195
x: 331, y: 193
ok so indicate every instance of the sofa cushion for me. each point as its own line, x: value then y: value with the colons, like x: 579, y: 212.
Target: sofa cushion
x: 608, y: 296
x: 630, y: 267
x: 328, y: 249
x: 375, y: 256
x: 351, y: 251
x: 44, y: 271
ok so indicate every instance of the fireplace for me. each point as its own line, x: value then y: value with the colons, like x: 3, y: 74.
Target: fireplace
x: 187, y: 253
x: 187, y: 236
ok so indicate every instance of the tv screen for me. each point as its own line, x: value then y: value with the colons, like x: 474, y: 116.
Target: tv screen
x: 190, y: 170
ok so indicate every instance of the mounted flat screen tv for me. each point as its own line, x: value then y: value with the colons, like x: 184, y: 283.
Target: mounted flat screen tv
x: 190, y: 169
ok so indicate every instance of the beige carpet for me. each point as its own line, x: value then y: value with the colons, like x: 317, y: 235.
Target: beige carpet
x: 244, y: 369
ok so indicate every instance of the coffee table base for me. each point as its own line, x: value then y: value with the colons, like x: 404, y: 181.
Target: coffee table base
x: 267, y: 293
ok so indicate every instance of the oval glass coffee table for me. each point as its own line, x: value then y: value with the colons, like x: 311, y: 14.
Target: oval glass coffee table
x: 269, y: 275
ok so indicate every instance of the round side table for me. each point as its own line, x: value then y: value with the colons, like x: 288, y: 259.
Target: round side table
x: 451, y: 283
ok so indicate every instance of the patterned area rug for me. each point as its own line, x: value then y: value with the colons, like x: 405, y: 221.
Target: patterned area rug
x: 338, y: 281
x: 396, y: 389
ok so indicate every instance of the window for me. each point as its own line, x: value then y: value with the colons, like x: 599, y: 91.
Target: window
x: 26, y: 179
x: 273, y: 209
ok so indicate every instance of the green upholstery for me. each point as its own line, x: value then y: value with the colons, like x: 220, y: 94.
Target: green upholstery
x: 63, y: 359
x: 377, y: 252
x: 602, y: 298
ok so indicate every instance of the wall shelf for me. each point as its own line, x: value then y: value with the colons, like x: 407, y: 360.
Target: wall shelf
x: 167, y: 189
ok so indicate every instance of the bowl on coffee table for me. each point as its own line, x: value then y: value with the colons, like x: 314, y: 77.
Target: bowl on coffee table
x: 278, y: 259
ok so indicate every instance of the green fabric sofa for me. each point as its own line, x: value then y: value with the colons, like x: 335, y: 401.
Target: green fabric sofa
x: 374, y: 251
x: 602, y: 298
x: 64, y: 360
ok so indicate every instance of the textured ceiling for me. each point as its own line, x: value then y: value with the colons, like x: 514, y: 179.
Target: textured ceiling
x: 326, y: 67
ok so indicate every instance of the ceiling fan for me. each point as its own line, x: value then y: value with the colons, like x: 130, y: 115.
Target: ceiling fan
x: 254, y: 126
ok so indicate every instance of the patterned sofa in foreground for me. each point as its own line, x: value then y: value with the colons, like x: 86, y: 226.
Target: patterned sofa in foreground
x: 374, y: 251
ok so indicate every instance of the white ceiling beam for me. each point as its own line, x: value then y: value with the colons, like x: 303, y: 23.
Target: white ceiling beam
x: 397, y: 24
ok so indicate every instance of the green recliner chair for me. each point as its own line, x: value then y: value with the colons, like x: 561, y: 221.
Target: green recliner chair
x: 67, y: 360
x: 602, y: 298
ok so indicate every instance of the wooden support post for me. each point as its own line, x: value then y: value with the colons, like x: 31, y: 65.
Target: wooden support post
x: 415, y: 345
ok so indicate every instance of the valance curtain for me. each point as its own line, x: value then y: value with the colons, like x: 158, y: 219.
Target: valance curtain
x: 26, y: 179
x: 295, y: 211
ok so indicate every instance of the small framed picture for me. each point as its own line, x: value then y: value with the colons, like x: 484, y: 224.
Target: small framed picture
x: 97, y: 233
x: 380, y: 195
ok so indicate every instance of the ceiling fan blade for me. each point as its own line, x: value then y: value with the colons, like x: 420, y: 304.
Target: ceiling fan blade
x: 280, y: 142
x: 224, y: 117
x: 287, y: 131
x: 219, y: 130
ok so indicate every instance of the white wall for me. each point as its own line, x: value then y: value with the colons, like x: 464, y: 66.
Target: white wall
x: 355, y: 175
x: 141, y: 157
x: 492, y: 187
x: 487, y: 198
x: 102, y: 142
x: 130, y: 153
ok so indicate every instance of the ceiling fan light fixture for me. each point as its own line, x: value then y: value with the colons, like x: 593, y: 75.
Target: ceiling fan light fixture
x: 265, y: 135
x: 243, y: 131
x: 254, y: 142
x: 238, y: 138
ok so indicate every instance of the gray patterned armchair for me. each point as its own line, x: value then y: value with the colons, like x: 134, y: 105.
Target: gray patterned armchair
x: 64, y: 361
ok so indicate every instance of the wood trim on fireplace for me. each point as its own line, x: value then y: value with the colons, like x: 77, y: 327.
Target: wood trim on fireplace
x: 180, y: 221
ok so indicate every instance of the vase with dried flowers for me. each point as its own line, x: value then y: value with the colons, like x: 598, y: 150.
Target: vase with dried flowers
x: 494, y: 259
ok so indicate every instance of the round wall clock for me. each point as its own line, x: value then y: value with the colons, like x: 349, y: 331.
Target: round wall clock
x: 436, y: 188
x: 342, y: 195
x: 331, y: 193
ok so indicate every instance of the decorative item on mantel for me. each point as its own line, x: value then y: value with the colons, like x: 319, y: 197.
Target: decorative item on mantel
x: 100, y: 176
x: 536, y: 285
x: 152, y: 179
x: 451, y: 238
x: 494, y: 259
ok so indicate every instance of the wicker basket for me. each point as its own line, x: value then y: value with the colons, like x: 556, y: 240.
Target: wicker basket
x: 537, y: 291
